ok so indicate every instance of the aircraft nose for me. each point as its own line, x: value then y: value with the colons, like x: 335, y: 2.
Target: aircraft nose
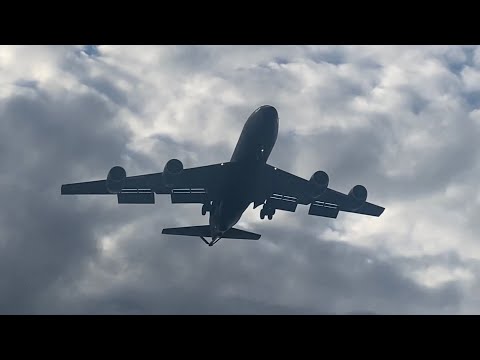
x: 270, y: 112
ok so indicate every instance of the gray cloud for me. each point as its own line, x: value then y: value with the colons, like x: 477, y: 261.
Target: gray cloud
x: 400, y: 120
x: 42, y: 242
x: 321, y: 277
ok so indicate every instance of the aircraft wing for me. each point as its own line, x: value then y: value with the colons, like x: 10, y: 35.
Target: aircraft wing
x: 192, y: 185
x: 280, y: 183
x: 99, y: 187
x: 286, y: 190
x: 343, y: 202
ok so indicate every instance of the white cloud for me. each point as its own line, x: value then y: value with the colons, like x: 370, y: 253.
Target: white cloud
x: 471, y: 78
x: 433, y: 276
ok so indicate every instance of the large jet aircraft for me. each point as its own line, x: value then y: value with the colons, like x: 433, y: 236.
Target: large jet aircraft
x: 227, y: 189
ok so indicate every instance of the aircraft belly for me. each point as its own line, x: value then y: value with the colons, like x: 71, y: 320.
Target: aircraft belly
x: 247, y: 188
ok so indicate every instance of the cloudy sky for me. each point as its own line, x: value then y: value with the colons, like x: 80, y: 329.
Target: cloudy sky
x: 403, y: 121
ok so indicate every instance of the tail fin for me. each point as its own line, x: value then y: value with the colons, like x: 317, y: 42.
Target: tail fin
x: 204, y: 231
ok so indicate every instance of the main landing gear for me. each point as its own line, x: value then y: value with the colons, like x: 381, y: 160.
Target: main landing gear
x: 267, y: 211
x: 207, y: 208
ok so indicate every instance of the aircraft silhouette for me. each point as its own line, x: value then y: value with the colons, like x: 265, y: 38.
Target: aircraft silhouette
x: 226, y: 190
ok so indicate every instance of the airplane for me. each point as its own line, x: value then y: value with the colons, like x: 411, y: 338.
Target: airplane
x: 225, y: 190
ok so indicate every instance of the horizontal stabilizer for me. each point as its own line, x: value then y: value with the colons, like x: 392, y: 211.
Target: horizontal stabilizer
x: 240, y: 234
x: 205, y: 232
x: 189, y: 231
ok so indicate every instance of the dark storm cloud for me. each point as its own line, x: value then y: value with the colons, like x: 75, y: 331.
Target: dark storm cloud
x: 91, y: 50
x: 53, y: 258
x: 50, y: 140
x: 48, y: 240
x: 305, y: 276
x: 27, y: 83
x: 139, y: 300
x: 106, y: 85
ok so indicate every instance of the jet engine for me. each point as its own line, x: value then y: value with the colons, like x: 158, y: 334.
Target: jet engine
x: 116, y: 179
x: 172, y: 169
x: 358, y: 196
x: 320, y: 179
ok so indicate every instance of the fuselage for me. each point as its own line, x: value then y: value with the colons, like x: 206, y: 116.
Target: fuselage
x: 253, y: 148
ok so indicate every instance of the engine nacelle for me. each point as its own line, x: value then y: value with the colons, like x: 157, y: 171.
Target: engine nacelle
x: 320, y: 179
x: 358, y: 196
x: 172, y: 169
x: 116, y: 179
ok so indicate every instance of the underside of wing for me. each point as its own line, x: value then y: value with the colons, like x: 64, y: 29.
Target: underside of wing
x: 287, y: 187
x: 98, y: 187
x: 133, y: 190
x: 348, y: 202
x: 367, y: 209
x: 116, y: 182
x: 285, y: 191
x: 192, y: 185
